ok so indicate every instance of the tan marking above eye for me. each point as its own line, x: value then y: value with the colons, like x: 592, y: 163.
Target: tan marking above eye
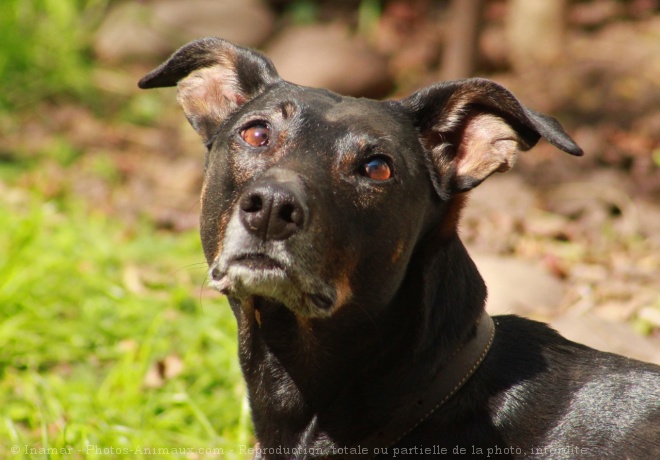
x: 257, y: 135
x: 398, y: 251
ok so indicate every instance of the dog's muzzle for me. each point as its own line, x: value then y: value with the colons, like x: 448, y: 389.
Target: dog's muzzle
x: 267, y: 250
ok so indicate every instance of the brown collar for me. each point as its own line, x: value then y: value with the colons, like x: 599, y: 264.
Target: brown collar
x: 461, y: 366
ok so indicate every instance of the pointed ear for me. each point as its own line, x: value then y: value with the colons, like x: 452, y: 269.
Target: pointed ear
x: 473, y: 128
x: 213, y: 77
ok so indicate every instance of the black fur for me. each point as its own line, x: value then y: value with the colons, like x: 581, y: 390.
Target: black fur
x: 346, y: 315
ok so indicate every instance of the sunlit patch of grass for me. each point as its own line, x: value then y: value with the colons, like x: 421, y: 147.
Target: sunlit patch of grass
x: 44, y: 49
x: 107, y: 342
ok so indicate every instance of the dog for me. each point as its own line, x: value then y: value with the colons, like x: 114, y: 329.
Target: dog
x: 330, y: 223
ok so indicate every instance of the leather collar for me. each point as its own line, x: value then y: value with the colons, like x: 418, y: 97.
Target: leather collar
x: 458, y: 370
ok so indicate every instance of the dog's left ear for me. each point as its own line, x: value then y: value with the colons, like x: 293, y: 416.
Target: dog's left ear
x: 214, y: 78
x: 475, y: 127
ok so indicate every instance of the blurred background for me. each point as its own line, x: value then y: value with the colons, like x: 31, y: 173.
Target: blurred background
x: 110, y: 343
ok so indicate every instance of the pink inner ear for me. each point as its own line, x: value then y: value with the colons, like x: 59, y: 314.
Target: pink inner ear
x: 487, y: 144
x: 208, y: 96
x: 239, y: 99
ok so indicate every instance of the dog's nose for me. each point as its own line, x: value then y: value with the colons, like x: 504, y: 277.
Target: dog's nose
x: 273, y: 211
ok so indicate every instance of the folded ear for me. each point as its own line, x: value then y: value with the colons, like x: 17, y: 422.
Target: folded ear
x: 475, y: 127
x: 213, y: 77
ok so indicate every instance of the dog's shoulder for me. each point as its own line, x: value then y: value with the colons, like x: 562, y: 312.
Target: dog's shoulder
x: 539, y: 394
x: 563, y: 393
x: 524, y: 343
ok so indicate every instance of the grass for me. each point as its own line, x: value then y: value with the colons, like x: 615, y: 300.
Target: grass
x: 108, y: 349
x: 44, y: 49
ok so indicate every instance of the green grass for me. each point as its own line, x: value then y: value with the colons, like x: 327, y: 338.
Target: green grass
x: 88, y: 310
x: 110, y: 346
x: 44, y: 49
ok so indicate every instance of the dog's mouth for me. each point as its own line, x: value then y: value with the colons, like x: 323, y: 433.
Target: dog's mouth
x: 258, y: 275
x: 260, y: 262
x: 246, y: 271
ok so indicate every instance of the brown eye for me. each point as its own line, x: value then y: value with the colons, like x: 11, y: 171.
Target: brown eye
x: 376, y: 169
x: 256, y: 135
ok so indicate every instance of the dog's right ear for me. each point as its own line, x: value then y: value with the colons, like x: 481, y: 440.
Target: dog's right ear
x: 214, y: 78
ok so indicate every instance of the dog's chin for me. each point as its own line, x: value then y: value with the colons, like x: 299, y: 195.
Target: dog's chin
x: 250, y: 278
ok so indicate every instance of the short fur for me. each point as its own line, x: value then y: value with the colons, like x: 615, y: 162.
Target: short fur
x: 351, y: 292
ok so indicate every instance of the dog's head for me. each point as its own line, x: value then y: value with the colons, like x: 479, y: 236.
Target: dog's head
x: 315, y: 200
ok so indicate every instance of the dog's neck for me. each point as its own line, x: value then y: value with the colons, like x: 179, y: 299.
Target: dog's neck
x: 307, y: 378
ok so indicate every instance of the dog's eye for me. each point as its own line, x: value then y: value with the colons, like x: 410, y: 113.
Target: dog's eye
x: 377, y: 169
x: 256, y: 135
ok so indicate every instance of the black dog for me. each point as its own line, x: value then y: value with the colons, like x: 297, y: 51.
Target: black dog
x: 331, y: 224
